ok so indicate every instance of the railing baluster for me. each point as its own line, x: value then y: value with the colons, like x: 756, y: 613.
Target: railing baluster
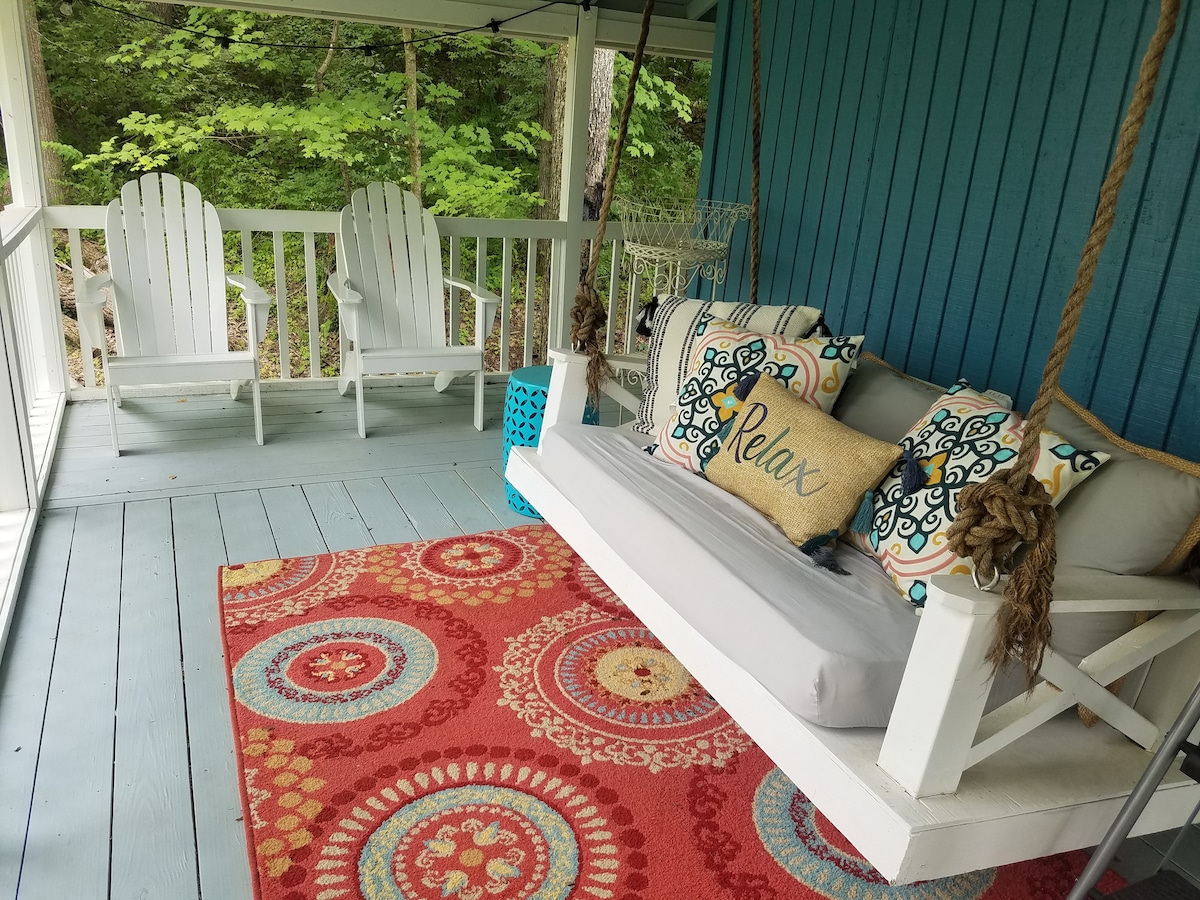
x: 20, y: 267
x: 614, y: 283
x: 506, y: 312
x: 77, y: 278
x: 247, y: 252
x: 281, y: 307
x: 246, y: 227
x: 481, y: 262
x: 530, y: 299
x: 455, y: 293
x: 310, y: 290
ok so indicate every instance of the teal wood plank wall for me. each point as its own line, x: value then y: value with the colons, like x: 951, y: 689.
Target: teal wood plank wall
x: 930, y: 173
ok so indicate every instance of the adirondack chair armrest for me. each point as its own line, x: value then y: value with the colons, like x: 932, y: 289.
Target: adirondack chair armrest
x: 258, y: 303
x: 251, y: 292
x: 93, y: 287
x: 91, y: 308
x: 341, y: 290
x: 486, y: 305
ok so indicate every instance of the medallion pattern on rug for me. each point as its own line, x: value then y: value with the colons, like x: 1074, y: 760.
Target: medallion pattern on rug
x: 482, y: 718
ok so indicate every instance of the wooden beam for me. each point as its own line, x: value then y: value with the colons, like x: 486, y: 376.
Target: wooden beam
x: 697, y: 8
x: 668, y: 35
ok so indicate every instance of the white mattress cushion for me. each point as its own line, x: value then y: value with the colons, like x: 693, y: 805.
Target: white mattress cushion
x: 832, y: 648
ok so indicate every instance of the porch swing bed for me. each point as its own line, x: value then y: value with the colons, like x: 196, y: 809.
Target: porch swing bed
x: 896, y: 726
x: 890, y: 722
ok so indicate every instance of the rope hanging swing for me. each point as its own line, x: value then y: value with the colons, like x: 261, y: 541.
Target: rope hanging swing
x: 1012, y: 507
x: 588, y: 316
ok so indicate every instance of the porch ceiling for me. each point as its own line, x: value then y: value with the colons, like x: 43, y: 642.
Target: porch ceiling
x: 679, y: 28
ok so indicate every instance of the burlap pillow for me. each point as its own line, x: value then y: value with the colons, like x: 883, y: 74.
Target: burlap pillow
x: 797, y: 465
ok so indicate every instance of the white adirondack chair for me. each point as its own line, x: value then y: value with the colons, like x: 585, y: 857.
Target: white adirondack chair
x: 390, y: 288
x: 167, y: 276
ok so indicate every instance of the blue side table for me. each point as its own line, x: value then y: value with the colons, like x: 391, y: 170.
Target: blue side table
x: 524, y: 409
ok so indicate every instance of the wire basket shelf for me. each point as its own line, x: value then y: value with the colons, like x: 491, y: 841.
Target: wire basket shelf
x: 676, y: 239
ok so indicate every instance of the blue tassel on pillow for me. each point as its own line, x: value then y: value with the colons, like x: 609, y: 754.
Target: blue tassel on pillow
x: 745, y: 386
x: 820, y: 550
x: 913, y: 476
x: 865, y: 517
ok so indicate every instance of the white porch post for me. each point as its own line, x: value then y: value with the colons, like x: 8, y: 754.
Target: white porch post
x: 565, y: 258
x: 17, y: 486
x: 34, y: 293
x: 16, y: 106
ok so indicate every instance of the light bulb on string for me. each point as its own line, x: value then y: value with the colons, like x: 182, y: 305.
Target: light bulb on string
x: 67, y: 8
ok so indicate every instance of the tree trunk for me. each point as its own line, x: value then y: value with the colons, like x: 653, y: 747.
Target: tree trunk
x: 599, y: 121
x: 319, y: 85
x: 164, y: 12
x: 553, y: 112
x: 414, y: 135
x: 43, y: 108
x: 549, y: 169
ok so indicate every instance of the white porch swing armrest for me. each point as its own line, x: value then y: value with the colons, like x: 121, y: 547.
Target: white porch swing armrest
x: 257, y: 300
x: 567, y: 397
x: 934, y: 729
x: 486, y: 306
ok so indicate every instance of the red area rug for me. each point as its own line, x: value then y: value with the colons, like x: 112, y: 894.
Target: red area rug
x: 480, y: 718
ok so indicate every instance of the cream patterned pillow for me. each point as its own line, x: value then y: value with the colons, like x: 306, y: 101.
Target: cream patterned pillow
x: 963, y: 438
x: 811, y: 369
x: 679, y: 322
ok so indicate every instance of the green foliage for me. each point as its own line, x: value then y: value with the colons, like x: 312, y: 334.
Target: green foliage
x: 255, y: 126
x: 666, y: 126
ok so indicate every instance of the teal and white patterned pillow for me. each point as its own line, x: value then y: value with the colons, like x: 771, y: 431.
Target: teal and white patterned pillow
x: 963, y: 438
x: 811, y: 369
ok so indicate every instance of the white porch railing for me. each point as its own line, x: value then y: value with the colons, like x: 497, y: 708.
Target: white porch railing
x: 29, y: 327
x: 499, y: 253
x: 31, y: 393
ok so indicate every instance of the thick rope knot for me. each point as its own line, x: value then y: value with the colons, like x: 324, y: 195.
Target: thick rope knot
x: 994, y: 519
x: 588, y: 322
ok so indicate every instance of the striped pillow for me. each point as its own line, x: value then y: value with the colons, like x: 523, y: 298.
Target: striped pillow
x: 679, y: 323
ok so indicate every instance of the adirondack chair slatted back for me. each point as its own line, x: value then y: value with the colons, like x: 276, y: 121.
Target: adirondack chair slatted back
x: 167, y: 263
x: 392, y: 254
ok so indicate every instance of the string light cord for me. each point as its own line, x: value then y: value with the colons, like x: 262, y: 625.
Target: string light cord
x: 494, y: 25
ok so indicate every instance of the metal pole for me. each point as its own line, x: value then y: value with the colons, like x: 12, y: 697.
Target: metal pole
x: 1142, y: 792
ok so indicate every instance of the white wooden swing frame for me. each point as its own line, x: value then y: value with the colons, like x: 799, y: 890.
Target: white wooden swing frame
x: 943, y: 789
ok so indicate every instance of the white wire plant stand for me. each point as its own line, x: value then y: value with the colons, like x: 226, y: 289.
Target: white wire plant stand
x: 677, y: 239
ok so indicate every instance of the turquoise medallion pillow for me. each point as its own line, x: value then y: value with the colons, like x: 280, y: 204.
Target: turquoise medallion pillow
x: 810, y: 369
x: 963, y: 438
